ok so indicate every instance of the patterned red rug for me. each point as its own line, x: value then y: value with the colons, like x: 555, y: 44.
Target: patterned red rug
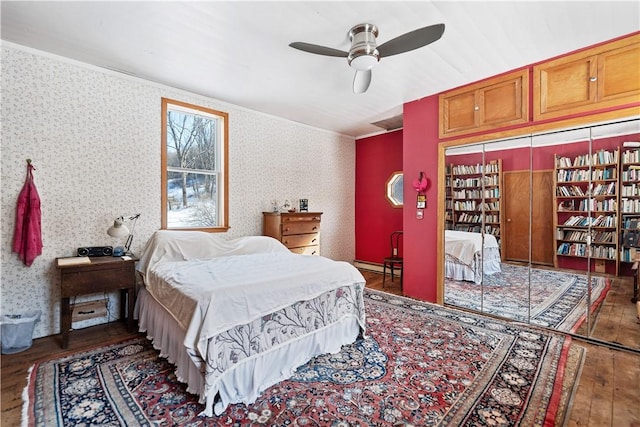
x: 421, y: 365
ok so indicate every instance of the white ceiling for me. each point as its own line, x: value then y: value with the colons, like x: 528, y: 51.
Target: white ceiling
x: 237, y: 51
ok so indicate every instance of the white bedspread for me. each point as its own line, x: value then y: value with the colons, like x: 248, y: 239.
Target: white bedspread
x: 464, y: 245
x: 210, y: 296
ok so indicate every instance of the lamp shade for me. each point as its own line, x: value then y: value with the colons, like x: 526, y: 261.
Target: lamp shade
x: 118, y: 229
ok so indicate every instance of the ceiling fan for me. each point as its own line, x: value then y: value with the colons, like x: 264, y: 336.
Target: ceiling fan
x: 365, y: 52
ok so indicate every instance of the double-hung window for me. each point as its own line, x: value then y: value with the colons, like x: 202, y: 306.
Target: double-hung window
x: 194, y: 167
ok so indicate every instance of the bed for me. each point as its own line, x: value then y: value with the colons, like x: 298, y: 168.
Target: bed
x: 237, y: 316
x: 466, y: 258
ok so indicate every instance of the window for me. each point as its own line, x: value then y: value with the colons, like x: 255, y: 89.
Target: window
x: 394, y: 189
x: 194, y: 167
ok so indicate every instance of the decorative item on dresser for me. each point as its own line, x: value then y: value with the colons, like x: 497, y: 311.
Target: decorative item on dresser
x: 298, y: 231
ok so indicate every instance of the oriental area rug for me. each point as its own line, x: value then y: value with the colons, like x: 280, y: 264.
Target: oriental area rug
x: 556, y: 299
x: 419, y: 365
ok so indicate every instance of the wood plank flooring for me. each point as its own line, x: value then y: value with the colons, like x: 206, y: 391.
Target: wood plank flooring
x: 608, y: 393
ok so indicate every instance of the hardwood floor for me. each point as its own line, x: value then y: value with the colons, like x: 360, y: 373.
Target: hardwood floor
x: 608, y: 393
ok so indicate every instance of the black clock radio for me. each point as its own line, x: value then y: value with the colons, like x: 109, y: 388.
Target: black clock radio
x: 95, y: 251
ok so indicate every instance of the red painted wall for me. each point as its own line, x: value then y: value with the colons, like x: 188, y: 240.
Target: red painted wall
x: 420, y: 154
x: 377, y: 157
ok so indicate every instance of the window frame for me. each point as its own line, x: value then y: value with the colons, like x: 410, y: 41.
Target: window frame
x: 222, y: 152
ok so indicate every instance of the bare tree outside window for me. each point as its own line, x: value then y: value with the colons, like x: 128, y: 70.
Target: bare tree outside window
x: 194, y: 167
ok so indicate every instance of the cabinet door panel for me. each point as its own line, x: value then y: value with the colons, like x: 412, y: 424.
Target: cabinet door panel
x: 619, y: 73
x: 502, y: 103
x: 564, y: 85
x: 602, y: 77
x: 489, y: 104
x: 459, y: 112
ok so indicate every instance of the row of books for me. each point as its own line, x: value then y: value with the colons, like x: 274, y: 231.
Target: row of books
x: 477, y: 219
x: 469, y: 228
x: 494, y: 231
x: 575, y: 175
x: 602, y: 189
x: 487, y: 193
x: 631, y: 223
x: 594, y: 205
x: 588, y: 205
x: 581, y: 236
x: 582, y: 249
x: 601, y: 157
x: 585, y: 221
x: 631, y: 174
x: 629, y: 254
x: 569, y: 191
x: 476, y: 169
x: 630, y: 190
x: 487, y: 180
x: 631, y: 156
x: 472, y: 205
x: 630, y: 205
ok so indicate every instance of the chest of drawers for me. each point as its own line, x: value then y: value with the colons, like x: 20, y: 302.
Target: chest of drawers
x: 298, y: 231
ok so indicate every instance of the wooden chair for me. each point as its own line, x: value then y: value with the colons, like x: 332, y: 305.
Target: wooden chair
x: 395, y: 259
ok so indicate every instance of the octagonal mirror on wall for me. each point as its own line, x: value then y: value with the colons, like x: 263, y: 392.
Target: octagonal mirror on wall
x: 394, y: 189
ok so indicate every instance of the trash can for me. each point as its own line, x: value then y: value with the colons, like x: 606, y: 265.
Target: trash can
x: 17, y: 331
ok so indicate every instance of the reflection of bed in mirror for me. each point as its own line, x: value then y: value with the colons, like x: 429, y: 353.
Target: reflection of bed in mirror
x: 465, y: 258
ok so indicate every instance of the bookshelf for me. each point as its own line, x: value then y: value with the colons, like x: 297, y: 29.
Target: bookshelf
x: 586, y: 209
x: 475, y: 198
x: 629, y: 204
x: 448, y: 200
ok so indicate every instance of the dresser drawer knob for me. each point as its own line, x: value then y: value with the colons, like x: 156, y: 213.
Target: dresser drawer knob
x: 314, y: 228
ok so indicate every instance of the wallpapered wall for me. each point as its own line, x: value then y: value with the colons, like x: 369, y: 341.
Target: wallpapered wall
x: 94, y: 138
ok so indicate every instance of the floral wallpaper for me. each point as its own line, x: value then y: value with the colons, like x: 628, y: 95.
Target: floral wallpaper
x: 94, y: 139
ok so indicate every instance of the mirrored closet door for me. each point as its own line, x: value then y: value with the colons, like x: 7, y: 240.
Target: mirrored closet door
x: 544, y: 228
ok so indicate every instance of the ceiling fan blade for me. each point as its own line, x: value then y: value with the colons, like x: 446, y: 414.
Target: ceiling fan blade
x: 318, y: 50
x: 361, y: 81
x: 412, y: 40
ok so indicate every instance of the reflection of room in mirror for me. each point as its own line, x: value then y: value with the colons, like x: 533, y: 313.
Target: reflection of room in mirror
x: 563, y: 207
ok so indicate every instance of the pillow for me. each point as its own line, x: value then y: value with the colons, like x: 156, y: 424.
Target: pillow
x: 173, y: 245
x: 256, y: 244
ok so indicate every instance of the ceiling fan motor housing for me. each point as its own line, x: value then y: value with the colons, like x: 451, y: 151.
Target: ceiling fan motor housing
x: 364, y: 48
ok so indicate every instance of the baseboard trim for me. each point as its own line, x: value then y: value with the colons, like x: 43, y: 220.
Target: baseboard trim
x: 372, y: 266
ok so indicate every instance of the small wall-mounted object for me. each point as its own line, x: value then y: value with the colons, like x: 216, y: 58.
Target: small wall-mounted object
x: 394, y: 189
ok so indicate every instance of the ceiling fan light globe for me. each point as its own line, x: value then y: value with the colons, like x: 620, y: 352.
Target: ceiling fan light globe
x: 363, y: 62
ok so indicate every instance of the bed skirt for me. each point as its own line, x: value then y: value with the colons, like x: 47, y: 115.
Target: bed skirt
x: 456, y: 270
x: 243, y: 382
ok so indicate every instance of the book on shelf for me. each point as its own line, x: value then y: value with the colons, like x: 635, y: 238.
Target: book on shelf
x: 74, y: 260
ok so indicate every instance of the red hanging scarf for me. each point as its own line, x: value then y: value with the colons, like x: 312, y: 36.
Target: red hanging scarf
x: 27, y: 237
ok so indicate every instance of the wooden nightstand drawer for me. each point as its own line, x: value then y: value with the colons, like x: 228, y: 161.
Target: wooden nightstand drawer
x: 102, y: 280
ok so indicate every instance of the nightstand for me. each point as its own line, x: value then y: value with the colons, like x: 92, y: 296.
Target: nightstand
x: 100, y: 274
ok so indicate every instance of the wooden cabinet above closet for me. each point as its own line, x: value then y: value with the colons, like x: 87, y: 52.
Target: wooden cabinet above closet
x: 601, y: 77
x: 489, y: 104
